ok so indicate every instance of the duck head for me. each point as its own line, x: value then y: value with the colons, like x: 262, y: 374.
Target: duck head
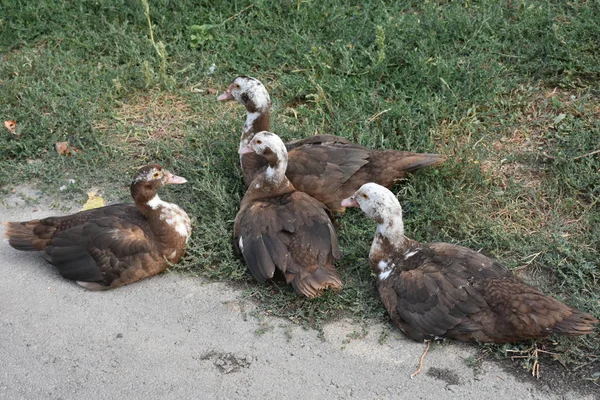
x: 269, y: 146
x: 249, y: 92
x: 149, y: 179
x: 376, y: 201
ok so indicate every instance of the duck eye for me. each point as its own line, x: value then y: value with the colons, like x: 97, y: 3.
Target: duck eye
x: 259, y: 141
x: 156, y: 175
x: 236, y: 86
x: 365, y: 196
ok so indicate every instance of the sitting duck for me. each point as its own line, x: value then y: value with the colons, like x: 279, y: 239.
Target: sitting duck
x: 443, y: 290
x: 327, y: 167
x: 282, y: 230
x: 108, y: 247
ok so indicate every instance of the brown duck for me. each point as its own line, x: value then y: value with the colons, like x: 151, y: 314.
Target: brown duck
x: 108, y: 247
x: 443, y: 290
x: 327, y: 167
x: 282, y: 230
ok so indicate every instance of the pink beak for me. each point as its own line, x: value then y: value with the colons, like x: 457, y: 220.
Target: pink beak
x: 247, y: 149
x: 226, y: 94
x: 350, y: 202
x: 174, y: 179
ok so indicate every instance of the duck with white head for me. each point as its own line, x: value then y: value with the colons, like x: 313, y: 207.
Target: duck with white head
x: 282, y: 231
x: 444, y: 290
x: 327, y: 167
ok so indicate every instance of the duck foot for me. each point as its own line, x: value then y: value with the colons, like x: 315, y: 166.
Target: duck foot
x: 418, y: 371
x: 531, y: 355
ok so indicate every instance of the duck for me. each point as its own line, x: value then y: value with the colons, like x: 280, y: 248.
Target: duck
x: 108, y: 247
x: 442, y: 290
x: 283, y: 232
x: 327, y: 167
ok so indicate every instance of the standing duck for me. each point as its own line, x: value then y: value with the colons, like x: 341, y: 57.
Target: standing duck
x: 108, y: 247
x: 279, y: 228
x: 444, y: 290
x: 327, y: 167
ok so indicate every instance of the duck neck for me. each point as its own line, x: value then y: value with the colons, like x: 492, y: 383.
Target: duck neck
x: 147, y: 201
x: 275, y: 172
x: 389, y: 237
x: 256, y: 121
x: 168, y: 222
x: 393, y: 229
x: 144, y: 199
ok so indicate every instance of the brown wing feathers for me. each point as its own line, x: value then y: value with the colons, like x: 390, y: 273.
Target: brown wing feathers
x: 36, y: 234
x: 28, y: 236
x: 333, y: 171
x: 316, y: 139
x: 99, y: 251
x: 430, y: 305
x: 455, y: 292
x: 524, y: 312
x: 73, y: 261
x: 312, y: 283
x: 293, y: 234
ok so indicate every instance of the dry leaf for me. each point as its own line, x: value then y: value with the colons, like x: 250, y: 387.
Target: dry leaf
x: 94, y: 201
x: 559, y: 118
x: 212, y: 91
x: 63, y: 148
x: 11, y: 125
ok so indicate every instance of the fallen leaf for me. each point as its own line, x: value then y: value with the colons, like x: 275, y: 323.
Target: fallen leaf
x: 212, y: 90
x: 11, y: 125
x: 94, y: 201
x: 559, y: 118
x: 63, y: 148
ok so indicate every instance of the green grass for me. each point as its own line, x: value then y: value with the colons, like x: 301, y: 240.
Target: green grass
x: 509, y: 90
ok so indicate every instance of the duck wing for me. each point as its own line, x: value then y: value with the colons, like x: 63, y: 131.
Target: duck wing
x: 459, y: 293
x: 107, y: 252
x: 293, y: 234
x: 324, y: 139
x: 322, y: 171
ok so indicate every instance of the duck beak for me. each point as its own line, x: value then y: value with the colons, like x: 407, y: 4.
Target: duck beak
x: 174, y: 179
x: 226, y: 94
x: 247, y: 149
x: 350, y: 202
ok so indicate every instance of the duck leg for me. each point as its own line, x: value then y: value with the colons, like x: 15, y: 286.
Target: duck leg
x: 531, y: 355
x: 418, y: 371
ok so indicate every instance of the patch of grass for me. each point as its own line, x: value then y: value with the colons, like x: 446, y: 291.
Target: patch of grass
x: 507, y: 89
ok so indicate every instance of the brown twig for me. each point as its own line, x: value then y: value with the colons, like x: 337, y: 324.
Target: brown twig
x: 588, y: 154
x: 234, y: 16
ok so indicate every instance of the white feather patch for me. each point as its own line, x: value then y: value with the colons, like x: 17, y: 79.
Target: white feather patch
x: 385, y: 269
x: 173, y: 215
x: 155, y: 202
x: 261, y: 99
x: 412, y: 253
x: 270, y: 173
x: 250, y: 118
